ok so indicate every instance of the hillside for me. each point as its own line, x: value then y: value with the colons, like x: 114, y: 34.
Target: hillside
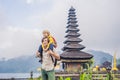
x: 26, y: 64
x: 100, y: 57
x: 20, y: 64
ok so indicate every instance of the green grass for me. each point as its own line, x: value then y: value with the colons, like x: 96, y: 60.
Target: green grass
x: 39, y: 78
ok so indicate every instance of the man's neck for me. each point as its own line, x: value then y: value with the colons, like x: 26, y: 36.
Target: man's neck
x: 45, y: 46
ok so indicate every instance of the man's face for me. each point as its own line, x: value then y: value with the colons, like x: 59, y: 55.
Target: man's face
x: 45, y: 42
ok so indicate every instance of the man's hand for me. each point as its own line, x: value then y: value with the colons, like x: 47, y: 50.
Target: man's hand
x: 37, y: 54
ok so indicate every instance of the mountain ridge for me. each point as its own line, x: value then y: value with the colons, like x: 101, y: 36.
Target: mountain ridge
x: 26, y: 64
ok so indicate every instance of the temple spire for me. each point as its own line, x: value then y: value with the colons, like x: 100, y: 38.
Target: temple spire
x: 73, y: 40
x: 114, y: 67
x: 73, y: 56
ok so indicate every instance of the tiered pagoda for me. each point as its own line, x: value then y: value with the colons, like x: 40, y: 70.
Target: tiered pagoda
x: 73, y: 58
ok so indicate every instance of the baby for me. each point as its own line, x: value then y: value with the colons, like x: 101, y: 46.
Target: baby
x: 52, y: 40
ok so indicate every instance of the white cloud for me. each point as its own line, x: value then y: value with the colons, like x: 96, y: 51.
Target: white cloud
x: 37, y: 1
x: 19, y: 41
x: 98, y: 22
x: 3, y: 18
x: 29, y: 1
x: 5, y: 45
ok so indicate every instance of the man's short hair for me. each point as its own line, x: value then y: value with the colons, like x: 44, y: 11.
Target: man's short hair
x: 45, y: 38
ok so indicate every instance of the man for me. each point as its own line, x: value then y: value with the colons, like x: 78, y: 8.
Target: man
x: 48, y: 56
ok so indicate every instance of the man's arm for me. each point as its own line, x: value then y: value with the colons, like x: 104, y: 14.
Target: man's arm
x: 53, y: 53
x: 39, y: 51
x: 38, y: 54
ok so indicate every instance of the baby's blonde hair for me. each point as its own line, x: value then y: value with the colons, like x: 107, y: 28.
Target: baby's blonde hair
x: 46, y: 31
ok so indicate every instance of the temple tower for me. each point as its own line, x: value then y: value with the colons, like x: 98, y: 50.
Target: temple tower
x: 73, y: 58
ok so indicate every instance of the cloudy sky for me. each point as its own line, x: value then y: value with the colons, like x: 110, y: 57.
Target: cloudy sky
x: 22, y: 22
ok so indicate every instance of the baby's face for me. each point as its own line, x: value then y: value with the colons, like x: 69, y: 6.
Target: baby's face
x: 45, y: 34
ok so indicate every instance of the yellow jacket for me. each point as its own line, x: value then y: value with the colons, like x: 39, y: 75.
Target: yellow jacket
x: 51, y: 39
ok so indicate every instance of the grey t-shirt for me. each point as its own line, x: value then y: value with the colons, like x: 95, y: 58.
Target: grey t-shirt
x: 47, y: 63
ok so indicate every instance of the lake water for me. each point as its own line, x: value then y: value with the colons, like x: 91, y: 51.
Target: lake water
x: 17, y: 75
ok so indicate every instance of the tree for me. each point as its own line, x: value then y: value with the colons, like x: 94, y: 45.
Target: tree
x: 106, y: 64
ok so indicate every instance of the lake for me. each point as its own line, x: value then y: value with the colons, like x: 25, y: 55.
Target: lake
x: 17, y: 75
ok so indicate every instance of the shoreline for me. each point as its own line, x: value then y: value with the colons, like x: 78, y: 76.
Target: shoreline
x: 17, y: 76
x: 14, y: 78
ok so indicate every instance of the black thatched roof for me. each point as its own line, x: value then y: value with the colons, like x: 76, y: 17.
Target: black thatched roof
x: 72, y: 25
x: 72, y: 29
x: 73, y: 35
x: 71, y: 21
x: 73, y: 46
x: 71, y: 9
x: 73, y: 18
x: 72, y: 15
x: 75, y: 55
x: 72, y: 40
x: 71, y: 12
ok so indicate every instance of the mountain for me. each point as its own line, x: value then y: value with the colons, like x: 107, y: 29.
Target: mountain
x: 118, y: 61
x: 100, y: 57
x: 25, y: 64
x: 21, y: 64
